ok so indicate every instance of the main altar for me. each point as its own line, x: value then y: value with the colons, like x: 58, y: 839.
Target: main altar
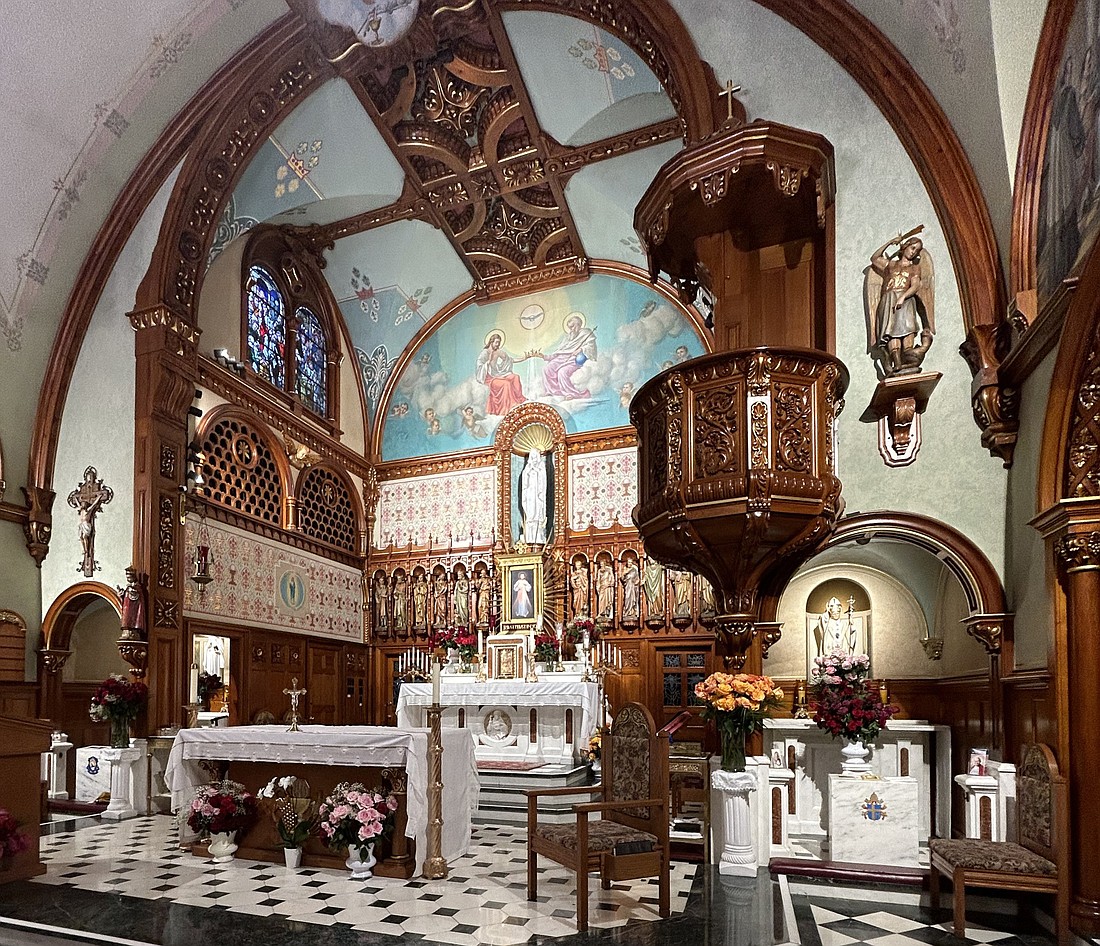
x: 326, y: 755
x: 531, y: 724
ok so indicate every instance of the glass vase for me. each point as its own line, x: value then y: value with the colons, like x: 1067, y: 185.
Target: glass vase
x: 120, y: 732
x: 733, y: 751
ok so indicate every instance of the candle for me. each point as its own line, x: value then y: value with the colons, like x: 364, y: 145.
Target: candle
x: 193, y: 696
x: 435, y: 681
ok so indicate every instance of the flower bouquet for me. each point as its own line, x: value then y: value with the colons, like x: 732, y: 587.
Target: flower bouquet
x: 118, y: 700
x: 351, y: 816
x: 12, y: 840
x: 573, y: 634
x: 843, y: 703
x: 738, y: 704
x: 292, y: 809
x: 546, y: 647
x: 466, y: 643
x: 221, y: 808
x: 591, y: 753
x: 443, y: 639
x: 210, y: 685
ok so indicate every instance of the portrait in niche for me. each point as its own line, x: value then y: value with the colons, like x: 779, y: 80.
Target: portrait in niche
x: 533, y: 485
x: 1069, y: 196
x: 575, y: 348
x: 521, y: 587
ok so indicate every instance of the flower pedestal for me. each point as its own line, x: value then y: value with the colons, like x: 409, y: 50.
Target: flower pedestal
x: 122, y: 762
x: 361, y: 861
x: 738, y: 852
x: 856, y: 761
x: 223, y: 845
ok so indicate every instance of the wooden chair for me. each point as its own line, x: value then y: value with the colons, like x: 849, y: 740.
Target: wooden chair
x: 1039, y: 863
x: 629, y: 839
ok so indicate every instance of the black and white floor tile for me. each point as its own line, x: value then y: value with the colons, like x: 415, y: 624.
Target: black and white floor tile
x: 484, y: 900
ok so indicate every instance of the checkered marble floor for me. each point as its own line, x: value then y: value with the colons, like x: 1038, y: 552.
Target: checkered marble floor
x: 841, y: 922
x: 484, y: 899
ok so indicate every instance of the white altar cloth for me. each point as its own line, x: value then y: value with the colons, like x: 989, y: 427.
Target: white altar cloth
x: 378, y: 746
x: 468, y: 691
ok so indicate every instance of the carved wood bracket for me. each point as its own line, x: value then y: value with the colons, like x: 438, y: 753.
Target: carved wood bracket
x: 896, y: 406
x: 995, y: 404
x: 990, y: 630
x: 38, y: 527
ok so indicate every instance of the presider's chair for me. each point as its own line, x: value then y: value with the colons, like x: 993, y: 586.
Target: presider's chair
x: 629, y: 839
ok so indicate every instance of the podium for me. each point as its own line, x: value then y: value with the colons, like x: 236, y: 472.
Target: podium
x: 22, y: 743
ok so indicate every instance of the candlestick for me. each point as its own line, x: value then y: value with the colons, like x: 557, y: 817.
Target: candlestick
x: 193, y: 692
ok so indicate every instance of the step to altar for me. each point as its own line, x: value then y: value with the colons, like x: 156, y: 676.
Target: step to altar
x: 502, y: 798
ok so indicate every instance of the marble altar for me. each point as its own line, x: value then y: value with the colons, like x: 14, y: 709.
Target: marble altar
x: 347, y: 747
x: 874, y: 821
x: 498, y: 714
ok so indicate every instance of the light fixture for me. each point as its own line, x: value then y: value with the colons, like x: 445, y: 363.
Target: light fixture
x: 202, y: 558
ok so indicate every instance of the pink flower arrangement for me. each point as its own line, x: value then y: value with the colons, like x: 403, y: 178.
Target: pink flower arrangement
x: 12, y: 840
x: 574, y: 630
x: 220, y: 807
x: 843, y: 704
x: 353, y: 816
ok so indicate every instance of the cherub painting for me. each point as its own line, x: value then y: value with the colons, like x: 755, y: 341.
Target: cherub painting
x: 899, y: 292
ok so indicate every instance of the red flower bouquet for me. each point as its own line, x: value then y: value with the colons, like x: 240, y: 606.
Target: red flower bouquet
x: 546, y: 647
x: 466, y: 643
x: 118, y: 700
x: 12, y: 840
x: 843, y: 704
x: 221, y: 807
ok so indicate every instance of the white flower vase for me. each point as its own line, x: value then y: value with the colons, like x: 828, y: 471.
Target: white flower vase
x: 222, y: 846
x: 293, y: 857
x: 855, y: 762
x: 361, y: 861
x: 597, y: 769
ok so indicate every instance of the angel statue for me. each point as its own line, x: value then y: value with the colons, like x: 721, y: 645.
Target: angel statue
x: 899, y: 292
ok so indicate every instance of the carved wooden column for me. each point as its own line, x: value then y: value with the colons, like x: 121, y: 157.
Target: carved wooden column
x: 1073, y: 530
x: 994, y: 633
x: 167, y: 370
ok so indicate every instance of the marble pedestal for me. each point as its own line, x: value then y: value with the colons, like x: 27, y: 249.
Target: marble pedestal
x: 54, y: 766
x: 738, y: 853
x: 874, y: 821
x: 122, y: 762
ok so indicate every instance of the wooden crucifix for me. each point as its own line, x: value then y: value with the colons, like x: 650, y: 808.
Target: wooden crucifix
x: 87, y: 499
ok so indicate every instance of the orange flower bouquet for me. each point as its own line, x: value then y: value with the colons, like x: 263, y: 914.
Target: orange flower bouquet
x: 738, y: 703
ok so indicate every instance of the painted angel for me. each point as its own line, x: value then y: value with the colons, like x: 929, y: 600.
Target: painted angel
x: 899, y: 292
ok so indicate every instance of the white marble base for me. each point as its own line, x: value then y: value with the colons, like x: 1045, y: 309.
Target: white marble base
x: 874, y: 821
x: 93, y: 773
x: 738, y: 852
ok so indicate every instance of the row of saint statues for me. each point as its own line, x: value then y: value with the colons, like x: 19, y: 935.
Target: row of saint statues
x: 628, y: 592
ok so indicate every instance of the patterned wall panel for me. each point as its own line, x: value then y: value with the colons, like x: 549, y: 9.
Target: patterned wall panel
x: 458, y: 503
x: 603, y: 488
x: 325, y: 510
x: 241, y: 472
x: 260, y: 583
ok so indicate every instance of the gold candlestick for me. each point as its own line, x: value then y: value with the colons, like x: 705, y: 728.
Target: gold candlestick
x: 435, y: 865
x: 531, y: 677
x: 192, y: 714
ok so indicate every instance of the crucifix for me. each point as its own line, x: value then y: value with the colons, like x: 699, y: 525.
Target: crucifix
x: 88, y: 498
x: 294, y: 693
x: 728, y: 96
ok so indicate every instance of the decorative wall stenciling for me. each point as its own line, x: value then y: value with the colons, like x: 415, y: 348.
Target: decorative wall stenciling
x: 88, y: 499
x: 449, y: 504
x: 262, y: 583
x: 603, y: 488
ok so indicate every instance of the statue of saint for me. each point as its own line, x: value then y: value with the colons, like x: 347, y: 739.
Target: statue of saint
x: 381, y: 601
x: 833, y: 632
x: 605, y: 591
x: 654, y: 583
x: 439, y: 599
x: 900, y: 295
x: 533, y: 498
x: 420, y: 600
x: 484, y: 587
x: 708, y: 605
x: 578, y: 584
x: 400, y: 601
x: 133, y: 607
x: 496, y: 725
x: 631, y: 581
x: 681, y: 587
x: 462, y: 600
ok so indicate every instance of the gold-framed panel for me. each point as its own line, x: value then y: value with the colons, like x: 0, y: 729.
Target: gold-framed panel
x: 522, y: 591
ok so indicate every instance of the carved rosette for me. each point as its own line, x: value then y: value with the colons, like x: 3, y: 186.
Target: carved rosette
x: 756, y: 492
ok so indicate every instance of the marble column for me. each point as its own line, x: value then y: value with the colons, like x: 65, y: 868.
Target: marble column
x: 54, y: 766
x: 738, y: 853
x: 980, y: 797
x: 122, y: 763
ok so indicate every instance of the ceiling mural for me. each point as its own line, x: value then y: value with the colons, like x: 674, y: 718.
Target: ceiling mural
x: 584, y: 83
x: 583, y: 349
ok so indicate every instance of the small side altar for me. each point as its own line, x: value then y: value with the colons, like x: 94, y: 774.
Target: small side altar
x: 546, y: 722
x: 324, y: 756
x: 905, y: 748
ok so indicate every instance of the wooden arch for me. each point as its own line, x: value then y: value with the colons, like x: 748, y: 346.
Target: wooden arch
x: 61, y: 616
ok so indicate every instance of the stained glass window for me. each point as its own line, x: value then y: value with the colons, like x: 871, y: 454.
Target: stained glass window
x: 266, y: 327
x: 311, y: 365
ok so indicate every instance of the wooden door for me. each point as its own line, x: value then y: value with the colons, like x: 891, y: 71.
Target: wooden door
x: 324, y: 680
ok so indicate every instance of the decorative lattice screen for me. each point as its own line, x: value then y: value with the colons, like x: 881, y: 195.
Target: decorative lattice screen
x: 241, y: 472
x: 325, y: 510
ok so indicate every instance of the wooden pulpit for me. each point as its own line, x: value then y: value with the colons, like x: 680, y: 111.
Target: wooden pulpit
x: 22, y: 743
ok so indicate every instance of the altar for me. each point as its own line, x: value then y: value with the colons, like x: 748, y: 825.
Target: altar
x: 325, y: 755
x: 530, y: 724
x: 905, y: 748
